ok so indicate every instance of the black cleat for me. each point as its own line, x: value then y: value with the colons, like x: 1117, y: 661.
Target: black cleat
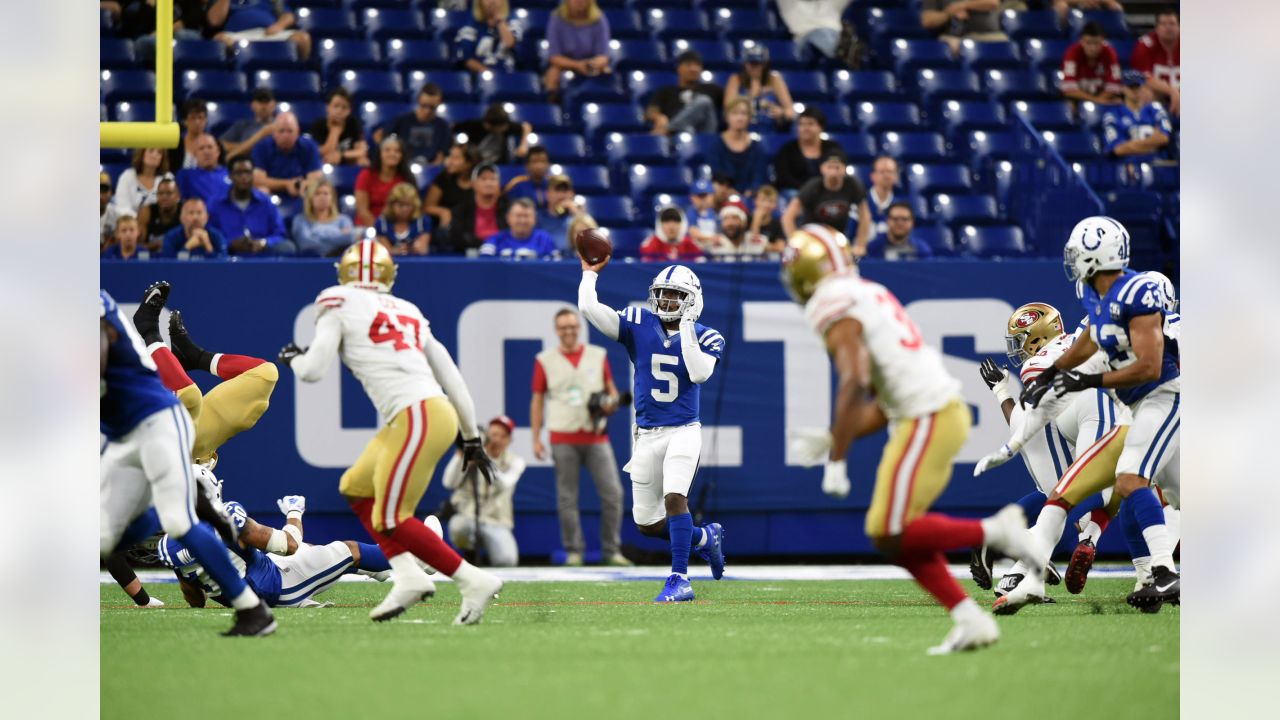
x: 147, y: 317
x: 1165, y: 587
x: 190, y: 355
x: 1051, y: 575
x: 980, y: 566
x: 257, y: 621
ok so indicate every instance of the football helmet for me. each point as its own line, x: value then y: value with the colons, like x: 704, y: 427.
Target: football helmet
x: 210, y: 482
x: 1166, y: 287
x: 1096, y: 244
x: 813, y: 252
x: 367, y: 263
x: 1030, y: 328
x: 672, y: 291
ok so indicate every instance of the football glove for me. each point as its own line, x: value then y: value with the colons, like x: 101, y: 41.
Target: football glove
x: 475, y: 458
x: 995, y: 459
x: 996, y: 378
x: 292, y: 503
x: 289, y: 352
x: 809, y: 447
x: 1069, y: 381
x: 693, y: 311
x: 835, y: 479
x: 1035, y: 390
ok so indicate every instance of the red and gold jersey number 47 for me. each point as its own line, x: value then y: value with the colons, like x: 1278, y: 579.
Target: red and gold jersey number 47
x: 402, y: 331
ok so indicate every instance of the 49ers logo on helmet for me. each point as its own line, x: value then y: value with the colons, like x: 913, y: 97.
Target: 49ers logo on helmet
x: 1027, y: 319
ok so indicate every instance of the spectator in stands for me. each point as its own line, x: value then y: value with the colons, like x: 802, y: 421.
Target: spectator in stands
x: 1137, y: 129
x: 194, y: 237
x: 481, y: 215
x: 402, y: 227
x: 705, y: 223
x: 108, y: 213
x: 533, y: 183
x: 723, y: 189
x: 764, y: 217
x: 139, y: 22
x: 256, y: 21
x: 957, y: 20
x: 797, y: 161
x: 735, y: 238
x: 897, y: 243
x: 763, y: 87
x: 1157, y: 56
x: 1063, y: 7
x: 207, y: 180
x: 124, y: 245
x: 374, y: 183
x: 561, y: 210
x: 816, y: 25
x: 340, y: 132
x: 670, y: 239
x: 496, y: 517
x: 577, y: 42
x: 286, y: 162
x: 247, y: 217
x: 162, y: 216
x: 690, y: 105
x: 450, y: 187
x: 320, y: 229
x: 194, y: 115
x: 522, y: 239
x: 580, y: 222
x: 244, y: 133
x: 1091, y: 68
x: 425, y: 134
x: 832, y: 200
x: 489, y: 40
x: 736, y: 154
x: 136, y: 186
x: 565, y: 381
x: 881, y: 195
x: 496, y: 139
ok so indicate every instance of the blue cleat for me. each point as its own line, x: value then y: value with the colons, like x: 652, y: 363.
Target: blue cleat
x: 677, y: 589
x: 713, y: 550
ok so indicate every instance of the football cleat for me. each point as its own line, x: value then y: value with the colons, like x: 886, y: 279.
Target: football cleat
x: 1051, y: 574
x: 677, y: 589
x: 972, y: 633
x: 478, y: 590
x: 1078, y: 568
x: 1030, y: 590
x: 147, y: 317
x: 1006, y: 532
x: 184, y: 348
x: 1165, y: 587
x: 980, y: 563
x: 403, y: 595
x: 1008, y: 583
x: 256, y: 621
x: 154, y: 602
x: 713, y: 549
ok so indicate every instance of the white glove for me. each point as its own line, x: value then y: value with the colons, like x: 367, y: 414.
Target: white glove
x: 290, y: 504
x: 835, y: 479
x: 694, y: 311
x: 995, y: 459
x: 809, y: 446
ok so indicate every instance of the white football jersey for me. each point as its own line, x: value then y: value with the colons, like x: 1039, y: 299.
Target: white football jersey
x: 382, y: 341
x: 909, y: 377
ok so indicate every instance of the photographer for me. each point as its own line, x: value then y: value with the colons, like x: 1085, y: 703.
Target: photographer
x: 573, y: 385
x: 496, y: 517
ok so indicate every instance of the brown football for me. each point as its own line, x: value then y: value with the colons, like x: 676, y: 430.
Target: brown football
x: 593, y: 246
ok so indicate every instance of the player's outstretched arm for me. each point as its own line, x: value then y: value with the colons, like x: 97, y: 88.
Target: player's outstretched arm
x: 603, y: 317
x: 446, y: 371
x: 311, y: 364
x: 699, y: 364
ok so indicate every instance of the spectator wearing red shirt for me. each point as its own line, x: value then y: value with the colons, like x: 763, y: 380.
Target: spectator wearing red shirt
x: 1091, y: 68
x: 480, y: 216
x: 1157, y: 56
x: 374, y: 183
x: 670, y: 239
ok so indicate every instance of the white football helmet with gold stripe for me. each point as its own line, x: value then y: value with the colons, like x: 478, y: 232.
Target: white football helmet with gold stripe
x: 367, y: 263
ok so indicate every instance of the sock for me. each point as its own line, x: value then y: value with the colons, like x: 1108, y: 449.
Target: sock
x: 1091, y: 503
x: 147, y: 321
x: 372, y: 558
x: 229, y: 366
x: 363, y: 508
x: 170, y: 370
x: 1049, y: 526
x: 1173, y: 524
x: 405, y: 569
x: 1133, y: 534
x: 936, y: 532
x: 1091, y: 531
x: 1031, y: 504
x: 191, y: 355
x: 930, y: 570
x: 429, y: 547
x: 1146, y: 508
x: 212, y: 554
x: 699, y: 538
x: 141, y: 598
x: 680, y: 530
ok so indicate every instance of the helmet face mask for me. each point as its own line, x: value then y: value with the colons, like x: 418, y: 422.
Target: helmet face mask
x: 673, y: 291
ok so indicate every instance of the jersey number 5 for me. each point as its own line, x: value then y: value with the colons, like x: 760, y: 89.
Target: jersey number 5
x: 673, y: 382
x: 384, y: 328
x: 912, y: 339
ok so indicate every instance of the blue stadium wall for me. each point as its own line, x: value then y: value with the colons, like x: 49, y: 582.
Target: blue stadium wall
x: 495, y: 316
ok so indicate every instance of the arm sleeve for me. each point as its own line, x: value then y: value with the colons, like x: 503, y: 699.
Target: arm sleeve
x: 275, y: 226
x: 453, y: 472
x: 311, y: 365
x: 303, y: 236
x: 218, y: 241
x: 451, y: 380
x: 699, y: 364
x: 555, y: 37
x: 604, y: 318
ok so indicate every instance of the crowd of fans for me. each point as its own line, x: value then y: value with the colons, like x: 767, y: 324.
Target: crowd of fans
x: 214, y: 197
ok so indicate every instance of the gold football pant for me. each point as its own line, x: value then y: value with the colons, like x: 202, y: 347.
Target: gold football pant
x: 1094, y: 470
x: 229, y: 409
x: 916, y: 467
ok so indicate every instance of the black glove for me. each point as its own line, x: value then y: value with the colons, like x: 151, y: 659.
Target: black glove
x: 474, y: 457
x: 1036, y: 389
x: 289, y: 352
x: 991, y: 372
x: 1069, y: 381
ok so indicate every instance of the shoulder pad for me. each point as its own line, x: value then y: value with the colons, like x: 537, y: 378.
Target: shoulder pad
x: 632, y: 314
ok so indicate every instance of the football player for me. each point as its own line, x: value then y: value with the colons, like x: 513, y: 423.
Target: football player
x: 146, y: 460
x: 420, y: 394
x: 878, y: 349
x: 673, y: 355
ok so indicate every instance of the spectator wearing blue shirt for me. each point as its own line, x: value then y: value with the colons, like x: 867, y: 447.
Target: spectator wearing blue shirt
x: 257, y: 21
x: 208, y: 180
x: 562, y: 209
x: 402, y: 227
x: 532, y: 183
x: 248, y: 218
x: 489, y: 39
x: 193, y: 238
x: 881, y: 195
x: 320, y: 229
x: 898, y: 243
x: 737, y: 155
x: 287, y: 160
x: 577, y: 41
x: 522, y: 239
x: 1137, y: 129
x: 426, y: 135
x: 125, y: 246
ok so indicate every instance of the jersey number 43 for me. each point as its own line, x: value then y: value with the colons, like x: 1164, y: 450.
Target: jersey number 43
x: 394, y: 329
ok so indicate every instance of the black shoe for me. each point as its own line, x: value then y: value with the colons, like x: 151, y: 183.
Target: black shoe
x: 980, y: 567
x: 190, y: 355
x: 1051, y: 575
x: 147, y: 317
x: 1165, y: 587
x: 257, y: 621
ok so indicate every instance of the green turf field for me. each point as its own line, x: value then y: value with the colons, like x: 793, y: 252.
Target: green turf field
x: 794, y: 649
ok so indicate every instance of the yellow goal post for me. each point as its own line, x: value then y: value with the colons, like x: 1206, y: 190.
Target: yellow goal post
x: 163, y: 133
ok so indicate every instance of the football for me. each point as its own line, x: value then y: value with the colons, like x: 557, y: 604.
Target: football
x: 593, y: 246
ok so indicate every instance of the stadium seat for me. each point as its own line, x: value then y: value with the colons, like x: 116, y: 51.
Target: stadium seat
x: 1112, y: 22
x: 669, y: 23
x: 643, y: 149
x: 308, y: 111
x: 837, y: 114
x: 1001, y: 181
x: 887, y: 25
x: 376, y: 85
x: 518, y: 87
x: 133, y: 85
x: 965, y: 209
x: 541, y: 116
x: 693, y: 150
x: 1044, y: 115
x: 644, y: 82
x: 912, y: 55
x: 936, y: 86
x: 958, y: 117
x: 736, y: 24
x: 343, y: 177
x: 638, y: 54
x: 646, y: 181
x: 1052, y: 83
x: 265, y: 55
x: 290, y: 84
x: 454, y: 85
x: 1073, y: 145
x: 107, y: 156
x: 1173, y: 205
x: 1101, y: 174
x: 214, y: 85
x: 599, y: 120
x: 1091, y: 114
x: 600, y: 89
x: 783, y: 54
x: 860, y: 85
x: 1043, y: 53
x: 447, y: 23
x: 377, y: 114
x: 883, y: 116
x: 116, y: 54
x: 773, y: 141
x: 1133, y: 205
x: 716, y: 54
x: 114, y: 170
x: 222, y: 114
x: 456, y: 112
x: 533, y: 21
x: 346, y: 54
x: 994, y: 242
x: 562, y: 148
x: 914, y: 147
x: 808, y: 86
x: 991, y: 55
x: 323, y: 22
x: 134, y: 111
x: 1166, y: 178
x: 1031, y: 24
x: 624, y: 23
x: 405, y: 55
x: 387, y: 23
x: 610, y: 210
x: 937, y: 237
x: 858, y: 147
x: 627, y: 240
x: 985, y: 147
x: 1007, y: 85
x: 929, y: 179
x: 1123, y: 48
x: 199, y: 55
x: 587, y: 179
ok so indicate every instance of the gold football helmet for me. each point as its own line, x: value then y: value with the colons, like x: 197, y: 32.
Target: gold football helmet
x: 813, y: 253
x: 367, y: 263
x: 1031, y: 327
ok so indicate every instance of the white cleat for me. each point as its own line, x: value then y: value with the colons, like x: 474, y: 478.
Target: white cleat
x: 972, y: 633
x: 154, y: 602
x: 1030, y: 591
x: 403, y: 595
x: 478, y: 589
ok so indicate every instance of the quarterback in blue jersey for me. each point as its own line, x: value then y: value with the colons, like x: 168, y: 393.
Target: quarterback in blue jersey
x: 146, y: 461
x: 673, y: 355
x: 1128, y: 321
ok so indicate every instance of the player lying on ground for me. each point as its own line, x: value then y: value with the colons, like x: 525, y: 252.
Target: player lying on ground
x: 878, y: 349
x: 672, y: 355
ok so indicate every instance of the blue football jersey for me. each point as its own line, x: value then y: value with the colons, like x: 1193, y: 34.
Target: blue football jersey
x: 664, y: 394
x: 262, y: 575
x: 1131, y: 296
x: 134, y: 390
x: 1120, y: 125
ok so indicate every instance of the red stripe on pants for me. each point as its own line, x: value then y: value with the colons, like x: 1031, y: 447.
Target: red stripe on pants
x: 893, y: 480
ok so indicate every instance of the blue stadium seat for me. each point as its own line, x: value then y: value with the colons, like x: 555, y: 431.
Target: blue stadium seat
x: 716, y: 54
x: 1166, y: 178
x: 914, y: 147
x: 347, y: 54
x: 928, y: 179
x: 959, y: 117
x: 533, y: 20
x: 214, y: 84
x: 134, y: 85
x: 627, y: 240
x: 638, y: 54
x: 517, y: 87
x: 588, y: 179
x: 1044, y: 53
x: 860, y: 85
x: 599, y: 120
x: 773, y: 141
x: 290, y: 84
x: 882, y: 116
x: 667, y: 24
x: 323, y: 22
x: 784, y: 54
x: 360, y: 5
x: 648, y: 180
x: 994, y: 242
x: 912, y: 55
x: 1112, y: 22
x: 624, y: 24
x: 377, y: 114
x: 199, y: 55
x: 405, y: 55
x: 222, y: 114
x: 1006, y: 85
x: 373, y: 85
x: 563, y: 148
x: 985, y: 146
x: 1001, y: 181
x: 1101, y: 174
x: 936, y: 86
x: 387, y: 23
x: 455, y: 85
x: 541, y: 115
x: 837, y: 114
x: 610, y: 210
x: 1073, y: 145
x: 1173, y: 205
x: 693, y: 150
x: 738, y: 24
x: 1044, y: 115
x: 107, y: 156
x: 308, y: 111
x: 937, y: 237
x: 1133, y: 205
x: 965, y: 209
x: 1091, y: 114
x: 343, y: 177
x: 644, y: 149
x: 447, y: 23
x: 134, y: 111
x: 1123, y: 48
x: 885, y: 25
x: 600, y: 89
x: 644, y: 82
x: 991, y: 55
x: 808, y: 86
x: 1031, y: 24
x: 116, y: 54
x: 858, y: 147
x: 265, y: 55
x: 456, y: 112
x: 115, y: 170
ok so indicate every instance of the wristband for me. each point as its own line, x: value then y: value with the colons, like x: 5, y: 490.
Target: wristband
x: 293, y: 515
